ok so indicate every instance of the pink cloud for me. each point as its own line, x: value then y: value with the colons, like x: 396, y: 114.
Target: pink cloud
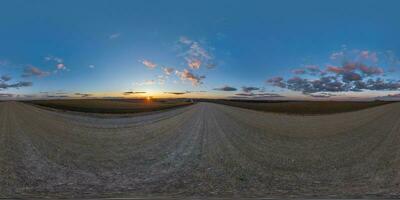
x: 370, y: 70
x: 335, y: 69
x: 194, y: 64
x: 61, y: 66
x: 367, y: 55
x: 149, y: 64
x: 187, y: 75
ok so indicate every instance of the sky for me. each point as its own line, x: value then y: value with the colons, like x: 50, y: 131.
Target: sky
x: 309, y: 49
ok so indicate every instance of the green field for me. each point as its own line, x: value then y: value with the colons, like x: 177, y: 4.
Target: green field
x: 111, y: 106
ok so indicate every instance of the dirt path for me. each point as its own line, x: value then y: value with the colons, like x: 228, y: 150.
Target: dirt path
x: 201, y: 150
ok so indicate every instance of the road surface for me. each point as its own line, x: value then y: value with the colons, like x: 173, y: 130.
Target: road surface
x: 203, y: 150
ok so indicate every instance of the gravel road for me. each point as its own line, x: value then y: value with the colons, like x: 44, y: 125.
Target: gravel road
x: 203, y: 150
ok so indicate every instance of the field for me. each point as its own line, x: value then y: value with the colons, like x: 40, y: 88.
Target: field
x: 302, y: 107
x: 197, y: 151
x: 112, y: 106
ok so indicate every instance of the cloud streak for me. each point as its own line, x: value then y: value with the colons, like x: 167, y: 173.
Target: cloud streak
x: 177, y: 93
x: 149, y: 64
x: 83, y: 95
x: 34, y: 71
x: 114, y: 36
x: 249, y: 89
x: 133, y: 93
x: 226, y: 88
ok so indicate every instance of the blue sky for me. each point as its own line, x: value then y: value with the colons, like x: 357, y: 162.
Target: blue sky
x: 200, y: 48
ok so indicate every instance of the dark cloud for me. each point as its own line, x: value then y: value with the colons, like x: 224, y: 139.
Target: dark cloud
x: 226, y: 88
x: 132, y: 93
x: 34, y: 71
x: 57, y: 96
x: 185, y: 92
x: 6, y: 95
x: 4, y: 85
x: 245, y: 94
x: 177, y: 93
x: 5, y: 78
x: 83, y: 94
x: 351, y: 76
x: 335, y: 84
x: 249, y: 89
x: 277, y: 81
x: 259, y: 95
x: 309, y: 69
x: 381, y: 84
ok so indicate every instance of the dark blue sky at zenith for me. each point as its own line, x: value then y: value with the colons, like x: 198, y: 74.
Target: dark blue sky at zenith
x: 237, y: 49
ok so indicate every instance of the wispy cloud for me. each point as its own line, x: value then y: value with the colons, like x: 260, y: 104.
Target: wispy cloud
x: 149, y: 64
x: 4, y: 63
x: 54, y: 58
x: 91, y: 66
x: 168, y: 70
x: 313, y: 70
x: 57, y: 96
x: 61, y: 66
x: 337, y: 55
x: 114, y: 36
x: 146, y: 82
x: 368, y: 55
x: 196, y: 54
x: 34, y: 71
x: 57, y: 61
